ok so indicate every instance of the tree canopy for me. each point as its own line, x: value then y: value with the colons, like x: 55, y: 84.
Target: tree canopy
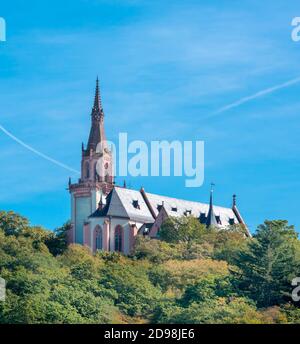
x: 191, y: 275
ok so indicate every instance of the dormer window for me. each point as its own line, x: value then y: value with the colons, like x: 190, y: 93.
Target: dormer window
x: 159, y: 206
x: 174, y: 208
x: 202, y: 218
x: 135, y: 203
x: 188, y: 212
x: 231, y: 222
x: 218, y: 220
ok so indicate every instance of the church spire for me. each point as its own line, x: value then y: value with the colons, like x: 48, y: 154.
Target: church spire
x: 97, y: 134
x: 211, y: 218
x: 97, y: 102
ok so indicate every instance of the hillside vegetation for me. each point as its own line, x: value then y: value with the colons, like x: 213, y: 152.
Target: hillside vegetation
x: 191, y: 275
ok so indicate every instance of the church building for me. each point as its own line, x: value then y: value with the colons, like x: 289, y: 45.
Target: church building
x: 108, y: 217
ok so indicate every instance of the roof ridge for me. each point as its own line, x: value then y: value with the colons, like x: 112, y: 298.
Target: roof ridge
x: 185, y: 200
x: 217, y: 207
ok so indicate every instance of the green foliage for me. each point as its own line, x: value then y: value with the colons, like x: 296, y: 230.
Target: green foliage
x: 181, y: 229
x: 156, y: 251
x: 292, y: 313
x: 228, y: 244
x: 212, y: 311
x: 267, y: 266
x: 207, y: 289
x: 191, y: 275
x: 176, y: 275
x: 136, y: 295
x: 57, y: 242
x: 12, y: 223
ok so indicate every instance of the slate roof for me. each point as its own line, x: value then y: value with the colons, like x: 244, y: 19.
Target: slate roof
x: 196, y: 208
x: 120, y: 203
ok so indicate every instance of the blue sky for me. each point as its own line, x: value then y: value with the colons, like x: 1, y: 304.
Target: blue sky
x: 166, y: 68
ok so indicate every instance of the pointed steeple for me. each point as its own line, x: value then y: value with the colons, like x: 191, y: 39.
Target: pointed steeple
x: 97, y: 133
x: 97, y: 101
x: 211, y: 217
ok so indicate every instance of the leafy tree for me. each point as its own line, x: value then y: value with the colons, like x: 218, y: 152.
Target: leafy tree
x: 191, y: 275
x: 221, y: 311
x: 229, y: 244
x: 12, y: 223
x: 178, y: 275
x: 182, y: 230
x: 266, y: 268
x: 207, y: 289
x: 136, y: 295
x: 292, y: 313
x: 57, y: 242
x: 218, y: 310
x: 156, y: 251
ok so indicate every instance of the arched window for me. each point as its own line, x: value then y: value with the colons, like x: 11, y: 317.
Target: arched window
x: 119, y: 239
x: 98, y: 244
x: 86, y: 170
x: 96, y: 175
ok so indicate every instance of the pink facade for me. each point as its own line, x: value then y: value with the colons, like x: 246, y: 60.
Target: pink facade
x: 132, y: 234
x: 100, y: 236
x: 106, y: 236
x: 97, y: 239
x: 87, y: 235
x: 119, y: 239
x: 161, y: 217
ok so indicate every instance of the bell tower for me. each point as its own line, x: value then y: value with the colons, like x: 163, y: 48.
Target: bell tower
x: 97, y: 174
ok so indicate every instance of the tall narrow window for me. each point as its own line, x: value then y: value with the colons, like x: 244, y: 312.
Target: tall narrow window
x: 96, y: 175
x: 98, y: 238
x: 86, y: 170
x: 119, y: 239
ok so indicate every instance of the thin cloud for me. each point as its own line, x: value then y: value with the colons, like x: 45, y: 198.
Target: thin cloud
x: 257, y: 95
x: 33, y: 150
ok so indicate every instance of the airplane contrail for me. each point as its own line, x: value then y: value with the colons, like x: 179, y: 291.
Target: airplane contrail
x: 257, y: 95
x: 33, y: 150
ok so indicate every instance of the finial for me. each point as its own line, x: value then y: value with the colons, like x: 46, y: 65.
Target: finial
x: 70, y: 181
x: 124, y: 184
x: 211, y: 193
x: 234, y: 200
x: 100, y: 204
